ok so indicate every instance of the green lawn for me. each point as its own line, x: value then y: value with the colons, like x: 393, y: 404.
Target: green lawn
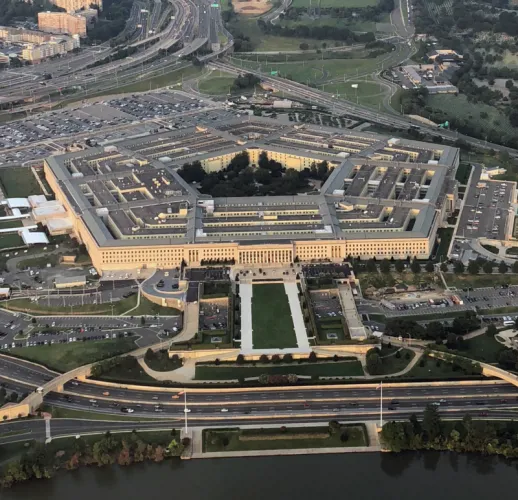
x: 393, y: 364
x: 435, y: 369
x: 348, y: 4
x: 10, y: 224
x: 323, y: 369
x: 463, y: 171
x: 148, y: 308
x: 18, y: 182
x: 460, y: 108
x: 444, y: 235
x: 39, y: 262
x: 218, y: 440
x: 65, y: 357
x: 480, y: 280
x: 216, y: 85
x: 482, y: 348
x: 11, y: 241
x: 316, y: 71
x: 271, y: 318
x: 272, y: 43
x: 368, y: 93
x: 25, y: 305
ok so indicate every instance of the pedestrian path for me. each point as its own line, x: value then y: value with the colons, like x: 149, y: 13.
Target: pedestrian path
x: 296, y: 315
x: 245, y: 292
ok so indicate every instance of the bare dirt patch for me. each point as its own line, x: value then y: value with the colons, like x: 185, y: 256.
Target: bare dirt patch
x: 251, y: 7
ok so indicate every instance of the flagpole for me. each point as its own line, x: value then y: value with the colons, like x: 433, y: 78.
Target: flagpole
x: 381, y: 405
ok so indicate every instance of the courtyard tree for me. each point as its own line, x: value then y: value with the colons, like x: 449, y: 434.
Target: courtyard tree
x: 429, y: 267
x: 502, y: 267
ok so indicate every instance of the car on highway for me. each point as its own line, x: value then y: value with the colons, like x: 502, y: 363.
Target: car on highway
x: 224, y: 410
x: 127, y: 410
x: 92, y: 400
x: 106, y: 393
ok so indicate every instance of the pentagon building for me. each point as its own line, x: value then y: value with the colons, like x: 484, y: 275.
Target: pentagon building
x: 386, y: 197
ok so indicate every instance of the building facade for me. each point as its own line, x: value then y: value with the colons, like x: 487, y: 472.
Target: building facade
x: 62, y: 22
x: 387, y: 199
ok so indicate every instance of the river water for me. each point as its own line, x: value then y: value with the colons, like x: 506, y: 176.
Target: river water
x: 351, y: 476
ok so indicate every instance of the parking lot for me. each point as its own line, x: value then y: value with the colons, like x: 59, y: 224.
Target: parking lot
x: 486, y: 208
x: 213, y: 315
x: 104, y: 122
x: 326, y: 304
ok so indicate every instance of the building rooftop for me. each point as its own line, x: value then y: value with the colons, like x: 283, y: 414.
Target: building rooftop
x: 126, y: 196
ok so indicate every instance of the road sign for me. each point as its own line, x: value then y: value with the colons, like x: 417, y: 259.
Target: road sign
x: 273, y: 73
x: 215, y: 5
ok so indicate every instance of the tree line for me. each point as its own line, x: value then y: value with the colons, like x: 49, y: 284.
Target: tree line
x: 461, y: 436
x: 44, y: 460
x: 241, y: 178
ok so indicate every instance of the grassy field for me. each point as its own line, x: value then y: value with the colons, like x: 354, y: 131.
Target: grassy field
x: 10, y: 241
x: 381, y: 280
x: 148, y: 308
x: 491, y: 248
x: 10, y: 224
x: 482, y: 348
x: 368, y: 93
x: 463, y: 171
x: 39, y: 262
x: 271, y: 318
x: 317, y: 72
x: 444, y: 234
x: 216, y: 85
x: 331, y: 21
x: 324, y: 369
x: 135, y: 375
x: 480, y: 280
x: 25, y: 305
x: 283, y: 439
x: 18, y: 182
x: 348, y: 4
x: 393, y: 364
x: 434, y: 369
x: 65, y: 357
x: 461, y: 108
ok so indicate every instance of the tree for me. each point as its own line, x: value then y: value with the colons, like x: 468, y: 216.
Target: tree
x: 473, y: 267
x: 514, y: 267
x: 488, y: 267
x: 491, y: 331
x: 444, y: 267
x: 240, y: 359
x: 304, y: 46
x: 429, y: 267
x: 432, y: 424
x: 399, y: 266
x: 502, y: 267
x: 458, y: 267
x: 415, y: 267
x: 142, y: 320
x: 374, y: 362
x: 312, y: 358
x: 385, y: 266
x: 371, y: 266
x: 435, y: 330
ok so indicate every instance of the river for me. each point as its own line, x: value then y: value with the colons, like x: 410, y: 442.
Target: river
x: 352, y: 476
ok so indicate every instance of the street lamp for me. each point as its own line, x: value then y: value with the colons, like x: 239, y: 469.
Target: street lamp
x: 185, y: 410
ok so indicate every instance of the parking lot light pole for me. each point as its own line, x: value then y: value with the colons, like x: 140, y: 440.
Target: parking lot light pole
x: 185, y: 410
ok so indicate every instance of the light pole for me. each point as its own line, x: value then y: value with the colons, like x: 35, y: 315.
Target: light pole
x: 380, y: 387
x: 185, y: 409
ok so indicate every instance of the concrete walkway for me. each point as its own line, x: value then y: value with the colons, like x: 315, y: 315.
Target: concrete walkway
x: 413, y: 362
x: 296, y: 315
x: 245, y: 293
x: 190, y: 323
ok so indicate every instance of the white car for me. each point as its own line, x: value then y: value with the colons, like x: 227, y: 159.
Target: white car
x: 130, y: 410
x: 224, y: 410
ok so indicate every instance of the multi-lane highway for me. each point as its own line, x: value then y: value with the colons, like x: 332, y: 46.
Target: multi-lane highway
x: 358, y: 400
